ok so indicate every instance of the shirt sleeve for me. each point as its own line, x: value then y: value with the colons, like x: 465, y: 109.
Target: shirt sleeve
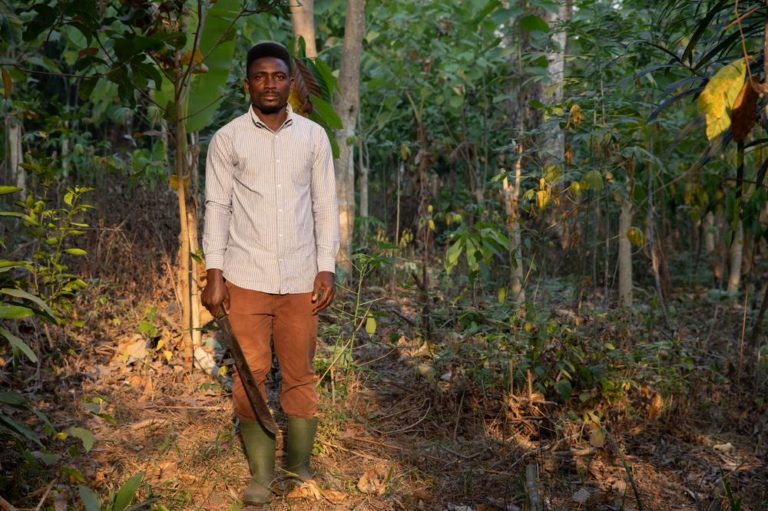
x: 218, y: 200
x: 325, y: 205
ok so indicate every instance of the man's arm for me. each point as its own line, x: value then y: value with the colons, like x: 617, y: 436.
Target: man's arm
x: 218, y: 210
x: 325, y: 211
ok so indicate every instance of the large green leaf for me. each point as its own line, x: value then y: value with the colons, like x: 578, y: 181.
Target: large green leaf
x: 127, y: 492
x: 15, y: 312
x: 217, y: 45
x: 19, y: 293
x: 324, y: 114
x: 89, y: 498
x: 19, y: 429
x: 19, y: 344
x: 718, y: 97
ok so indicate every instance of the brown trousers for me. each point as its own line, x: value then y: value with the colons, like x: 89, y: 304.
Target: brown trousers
x: 257, y: 318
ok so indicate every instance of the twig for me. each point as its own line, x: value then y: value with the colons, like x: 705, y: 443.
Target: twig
x: 45, y: 495
x: 6, y: 506
x: 627, y: 468
x: 743, y: 335
x: 463, y: 456
x: 403, y: 317
x: 458, y: 416
x: 406, y: 428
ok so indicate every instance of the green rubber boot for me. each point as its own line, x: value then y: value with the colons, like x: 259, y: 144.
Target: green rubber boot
x: 299, y: 440
x: 260, y: 450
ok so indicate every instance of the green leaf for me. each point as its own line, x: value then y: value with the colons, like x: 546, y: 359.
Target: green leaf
x: 452, y: 255
x: 5, y: 189
x: 19, y: 293
x: 18, y: 344
x: 89, y: 499
x: 325, y: 113
x: 127, y: 492
x: 564, y: 388
x: 719, y: 95
x: 76, y: 251
x: 15, y: 312
x: 218, y: 47
x: 532, y: 23
x: 20, y: 429
x: 9, y: 397
x: 84, y: 435
x: 593, y: 180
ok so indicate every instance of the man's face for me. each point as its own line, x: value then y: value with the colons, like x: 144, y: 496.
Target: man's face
x: 268, y: 83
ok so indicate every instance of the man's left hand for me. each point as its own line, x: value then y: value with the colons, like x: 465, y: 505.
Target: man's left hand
x: 323, y: 291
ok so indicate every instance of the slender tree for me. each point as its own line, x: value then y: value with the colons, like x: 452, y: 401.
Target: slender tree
x: 347, y: 104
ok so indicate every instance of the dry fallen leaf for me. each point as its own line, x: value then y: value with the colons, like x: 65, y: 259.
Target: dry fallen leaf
x: 373, y: 481
x: 727, y: 447
x: 334, y: 497
x: 306, y: 490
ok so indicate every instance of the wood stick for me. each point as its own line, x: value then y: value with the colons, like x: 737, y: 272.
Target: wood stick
x: 6, y: 506
x: 531, y: 487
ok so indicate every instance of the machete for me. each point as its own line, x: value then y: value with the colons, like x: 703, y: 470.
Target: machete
x: 246, y: 376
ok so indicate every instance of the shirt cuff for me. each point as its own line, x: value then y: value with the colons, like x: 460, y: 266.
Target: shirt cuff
x: 326, y: 263
x: 214, y: 262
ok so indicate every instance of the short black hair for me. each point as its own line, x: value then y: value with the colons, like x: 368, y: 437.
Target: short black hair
x: 268, y: 49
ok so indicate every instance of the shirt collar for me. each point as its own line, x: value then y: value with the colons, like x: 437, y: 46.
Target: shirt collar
x: 260, y: 124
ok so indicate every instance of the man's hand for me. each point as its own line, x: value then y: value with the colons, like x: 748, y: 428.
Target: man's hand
x: 215, y: 293
x: 323, y: 291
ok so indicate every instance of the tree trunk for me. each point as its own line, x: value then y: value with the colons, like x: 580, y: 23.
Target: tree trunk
x: 347, y: 104
x: 185, y: 278
x: 303, y: 22
x: 709, y: 233
x: 736, y: 253
x: 511, y: 200
x: 553, y: 153
x: 363, y: 185
x: 15, y: 154
x: 625, y: 254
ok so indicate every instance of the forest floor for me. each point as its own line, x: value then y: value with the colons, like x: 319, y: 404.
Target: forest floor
x: 397, y: 431
x: 654, y: 418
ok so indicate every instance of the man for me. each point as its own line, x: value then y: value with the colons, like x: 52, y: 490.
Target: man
x: 271, y: 237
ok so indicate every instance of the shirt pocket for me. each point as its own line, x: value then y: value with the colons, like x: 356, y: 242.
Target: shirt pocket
x: 301, y: 172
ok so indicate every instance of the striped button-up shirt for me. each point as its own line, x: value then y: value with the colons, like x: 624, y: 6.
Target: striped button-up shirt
x: 271, y: 212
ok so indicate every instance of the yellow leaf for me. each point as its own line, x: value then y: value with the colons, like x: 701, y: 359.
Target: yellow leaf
x: 60, y: 436
x: 222, y: 371
x: 575, y: 115
x: 198, y: 57
x: 542, y: 198
x: 719, y: 96
x: 370, y: 325
x: 168, y: 354
x: 501, y: 295
x: 635, y: 237
x: 431, y: 224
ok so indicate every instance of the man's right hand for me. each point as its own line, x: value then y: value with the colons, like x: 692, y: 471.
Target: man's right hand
x: 215, y: 293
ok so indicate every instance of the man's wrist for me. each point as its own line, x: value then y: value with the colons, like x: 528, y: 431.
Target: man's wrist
x: 214, y: 274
